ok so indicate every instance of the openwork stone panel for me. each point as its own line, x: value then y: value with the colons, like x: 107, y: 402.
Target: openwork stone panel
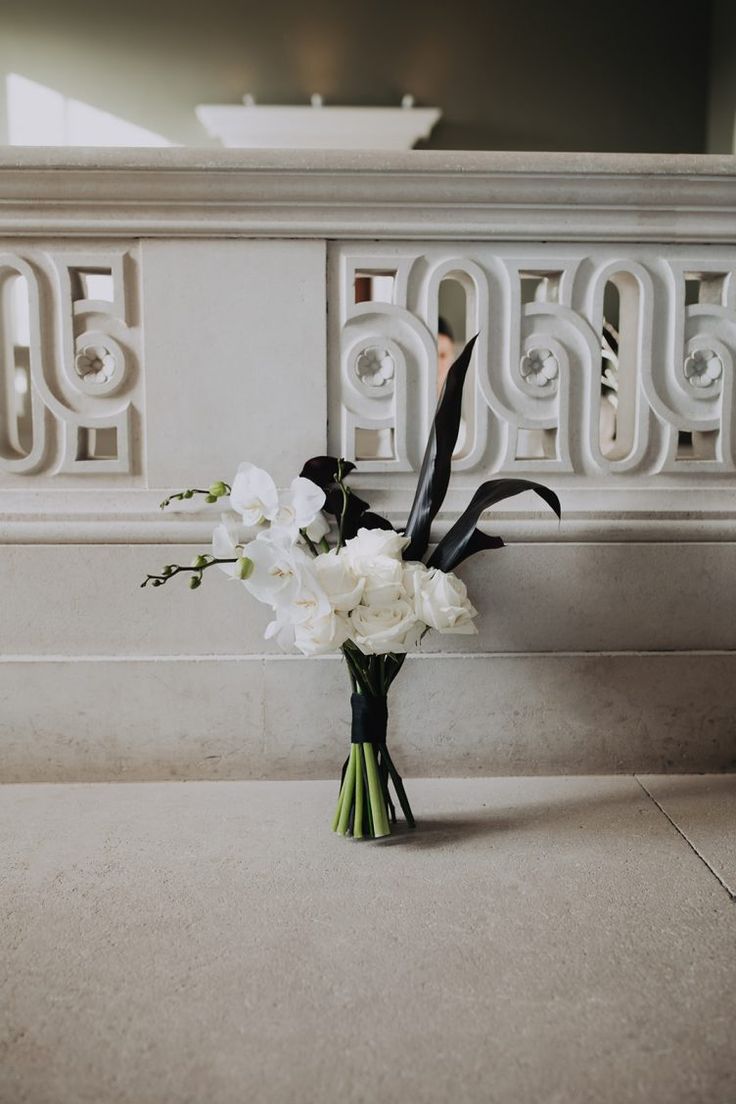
x: 599, y: 368
x: 69, y: 363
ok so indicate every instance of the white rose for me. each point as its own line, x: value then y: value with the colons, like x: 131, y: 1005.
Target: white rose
x: 322, y: 634
x: 371, y: 544
x: 384, y: 583
x: 338, y: 580
x: 413, y: 573
x: 381, y: 629
x: 441, y: 601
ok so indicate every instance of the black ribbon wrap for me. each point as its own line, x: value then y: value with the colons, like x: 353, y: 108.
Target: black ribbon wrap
x: 370, y: 719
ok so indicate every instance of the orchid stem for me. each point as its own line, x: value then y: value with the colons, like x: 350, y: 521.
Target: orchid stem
x: 309, y: 542
x: 175, y: 569
x: 345, y: 492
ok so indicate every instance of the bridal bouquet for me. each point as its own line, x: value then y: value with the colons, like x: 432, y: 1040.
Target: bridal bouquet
x: 339, y: 577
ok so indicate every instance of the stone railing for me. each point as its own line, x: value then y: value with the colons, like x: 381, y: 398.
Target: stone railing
x: 168, y: 313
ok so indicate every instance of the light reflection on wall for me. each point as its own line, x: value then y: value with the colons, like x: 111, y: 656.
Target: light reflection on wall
x: 41, y: 116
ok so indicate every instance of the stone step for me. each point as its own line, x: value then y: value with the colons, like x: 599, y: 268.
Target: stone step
x: 95, y: 719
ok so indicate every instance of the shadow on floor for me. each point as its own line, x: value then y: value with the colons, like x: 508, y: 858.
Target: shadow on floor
x: 442, y: 829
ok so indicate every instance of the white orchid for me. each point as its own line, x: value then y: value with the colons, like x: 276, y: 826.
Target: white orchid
x: 318, y: 529
x: 256, y: 498
x: 254, y: 495
x: 229, y: 540
x: 279, y: 568
x: 303, y: 615
x: 299, y: 507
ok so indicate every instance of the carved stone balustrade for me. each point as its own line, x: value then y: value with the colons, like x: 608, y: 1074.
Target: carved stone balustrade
x: 167, y: 313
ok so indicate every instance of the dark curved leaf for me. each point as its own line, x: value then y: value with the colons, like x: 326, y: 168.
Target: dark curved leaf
x: 463, y: 539
x: 435, y: 472
x: 369, y: 520
x: 322, y: 470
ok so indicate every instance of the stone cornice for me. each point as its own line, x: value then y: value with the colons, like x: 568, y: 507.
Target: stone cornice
x: 432, y: 195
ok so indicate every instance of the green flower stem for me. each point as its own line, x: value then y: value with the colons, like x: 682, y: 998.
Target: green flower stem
x: 175, y: 569
x: 309, y: 542
x: 336, y: 818
x: 358, y: 821
x: 370, y: 828
x: 356, y: 667
x: 219, y: 489
x: 346, y: 796
x: 378, y: 806
x: 345, y: 490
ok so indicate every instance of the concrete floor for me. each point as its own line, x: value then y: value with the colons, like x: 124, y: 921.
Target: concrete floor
x: 555, y: 940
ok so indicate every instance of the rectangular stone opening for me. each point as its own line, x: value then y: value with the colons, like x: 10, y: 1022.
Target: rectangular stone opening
x: 540, y: 287
x: 374, y: 286
x: 92, y: 283
x: 374, y: 444
x: 97, y: 444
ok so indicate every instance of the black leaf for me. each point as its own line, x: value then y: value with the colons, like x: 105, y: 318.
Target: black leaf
x: 463, y: 539
x: 369, y: 520
x: 435, y: 472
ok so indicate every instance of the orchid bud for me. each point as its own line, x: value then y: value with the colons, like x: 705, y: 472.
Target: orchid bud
x: 244, y: 568
x: 195, y: 581
x: 210, y: 498
x: 187, y: 494
x: 199, y: 561
x: 218, y: 490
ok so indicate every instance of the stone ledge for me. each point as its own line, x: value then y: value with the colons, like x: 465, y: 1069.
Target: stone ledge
x: 106, y: 719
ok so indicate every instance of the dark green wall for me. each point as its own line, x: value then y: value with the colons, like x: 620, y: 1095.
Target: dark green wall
x: 722, y: 103
x: 517, y: 75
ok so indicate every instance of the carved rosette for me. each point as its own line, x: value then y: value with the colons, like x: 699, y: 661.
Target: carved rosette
x: 375, y: 368
x: 703, y: 369
x: 539, y: 369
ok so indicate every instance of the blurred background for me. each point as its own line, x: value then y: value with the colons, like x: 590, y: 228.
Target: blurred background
x: 640, y: 77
